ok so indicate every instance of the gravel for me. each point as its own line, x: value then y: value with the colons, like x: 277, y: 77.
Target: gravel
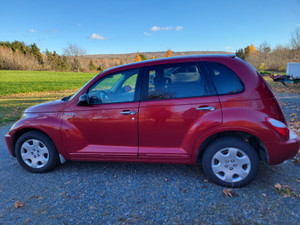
x: 132, y: 193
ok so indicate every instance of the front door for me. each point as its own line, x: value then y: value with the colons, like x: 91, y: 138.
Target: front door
x: 107, y: 127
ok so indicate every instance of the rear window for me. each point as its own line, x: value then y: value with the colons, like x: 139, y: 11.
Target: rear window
x: 225, y: 80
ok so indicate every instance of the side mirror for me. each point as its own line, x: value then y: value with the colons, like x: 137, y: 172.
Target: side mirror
x: 83, y: 100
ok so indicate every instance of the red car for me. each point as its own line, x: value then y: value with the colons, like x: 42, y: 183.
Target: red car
x: 214, y: 109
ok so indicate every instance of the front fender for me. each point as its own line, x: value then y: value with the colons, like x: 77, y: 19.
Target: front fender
x: 48, y: 123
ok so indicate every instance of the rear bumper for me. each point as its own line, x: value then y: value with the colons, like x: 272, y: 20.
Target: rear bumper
x: 8, y: 140
x: 281, y: 151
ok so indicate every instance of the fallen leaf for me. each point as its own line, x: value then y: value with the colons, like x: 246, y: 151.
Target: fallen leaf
x: 264, y: 195
x: 285, y: 195
x: 166, y: 179
x: 298, y: 180
x: 227, y: 192
x: 206, y: 181
x: 296, y: 161
x: 292, y: 119
x: 278, y: 186
x: 18, y: 204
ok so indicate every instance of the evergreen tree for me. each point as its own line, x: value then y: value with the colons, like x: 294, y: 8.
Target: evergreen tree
x: 92, y: 65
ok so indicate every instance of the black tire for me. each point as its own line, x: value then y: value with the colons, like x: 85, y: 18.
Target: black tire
x: 36, y: 152
x: 230, y: 162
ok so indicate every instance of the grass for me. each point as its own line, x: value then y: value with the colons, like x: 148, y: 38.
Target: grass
x: 22, y: 89
x: 15, y: 82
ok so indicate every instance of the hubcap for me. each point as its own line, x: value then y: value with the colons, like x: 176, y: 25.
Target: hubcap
x: 34, y: 153
x: 231, y: 164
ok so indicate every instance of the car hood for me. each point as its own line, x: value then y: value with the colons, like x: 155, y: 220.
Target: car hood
x: 55, y: 106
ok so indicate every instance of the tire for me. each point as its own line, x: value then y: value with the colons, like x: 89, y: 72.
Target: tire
x: 36, y: 152
x: 230, y: 162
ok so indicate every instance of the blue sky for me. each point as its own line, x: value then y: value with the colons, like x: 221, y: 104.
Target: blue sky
x: 125, y: 26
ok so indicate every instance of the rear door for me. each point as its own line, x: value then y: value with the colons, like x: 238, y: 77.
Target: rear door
x: 176, y: 108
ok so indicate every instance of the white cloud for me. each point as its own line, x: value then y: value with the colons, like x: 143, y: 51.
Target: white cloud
x: 79, y: 24
x: 97, y: 36
x: 31, y: 30
x: 156, y: 28
x: 179, y: 28
x: 147, y: 34
x: 228, y: 47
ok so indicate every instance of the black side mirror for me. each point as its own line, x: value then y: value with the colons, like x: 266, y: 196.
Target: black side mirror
x: 83, y: 100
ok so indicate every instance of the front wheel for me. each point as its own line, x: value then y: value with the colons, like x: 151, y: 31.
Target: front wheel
x: 36, y: 152
x: 230, y: 162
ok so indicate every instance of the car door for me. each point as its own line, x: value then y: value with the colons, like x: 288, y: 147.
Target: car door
x: 107, y: 127
x: 175, y: 111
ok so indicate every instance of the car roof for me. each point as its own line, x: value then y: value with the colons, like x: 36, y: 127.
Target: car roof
x: 169, y: 60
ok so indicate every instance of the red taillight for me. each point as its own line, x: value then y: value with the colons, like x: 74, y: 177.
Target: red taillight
x: 278, y: 126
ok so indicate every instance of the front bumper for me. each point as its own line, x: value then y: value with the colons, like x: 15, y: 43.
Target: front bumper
x: 8, y: 140
x: 281, y: 151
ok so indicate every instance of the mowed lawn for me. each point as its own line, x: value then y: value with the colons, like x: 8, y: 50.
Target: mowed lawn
x: 22, y: 89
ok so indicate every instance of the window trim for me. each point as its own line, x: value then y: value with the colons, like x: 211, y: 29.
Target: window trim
x: 211, y: 77
x: 207, y: 81
x: 137, y: 85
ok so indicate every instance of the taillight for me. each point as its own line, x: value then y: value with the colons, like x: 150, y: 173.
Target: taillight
x: 278, y: 126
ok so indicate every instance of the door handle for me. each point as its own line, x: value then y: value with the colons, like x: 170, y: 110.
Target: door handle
x: 206, y: 108
x: 128, y: 112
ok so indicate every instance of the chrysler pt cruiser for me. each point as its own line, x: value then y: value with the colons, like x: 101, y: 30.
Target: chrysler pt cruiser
x: 213, y: 109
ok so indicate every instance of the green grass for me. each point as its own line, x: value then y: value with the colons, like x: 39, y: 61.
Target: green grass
x: 15, y: 82
x: 22, y: 89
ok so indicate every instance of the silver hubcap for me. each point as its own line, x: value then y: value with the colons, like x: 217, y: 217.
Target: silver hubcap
x: 231, y: 164
x: 34, y: 153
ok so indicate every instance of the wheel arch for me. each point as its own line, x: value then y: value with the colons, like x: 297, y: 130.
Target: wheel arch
x: 20, y: 132
x: 255, y: 142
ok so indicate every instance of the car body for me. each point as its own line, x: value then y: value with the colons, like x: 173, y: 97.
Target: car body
x: 223, y: 114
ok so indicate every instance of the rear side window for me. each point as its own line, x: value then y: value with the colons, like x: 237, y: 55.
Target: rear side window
x: 173, y: 81
x: 225, y: 80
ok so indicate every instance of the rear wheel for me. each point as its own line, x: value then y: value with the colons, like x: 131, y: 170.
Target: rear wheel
x: 230, y: 162
x: 36, y: 152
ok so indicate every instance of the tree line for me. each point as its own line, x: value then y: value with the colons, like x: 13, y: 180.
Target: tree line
x: 265, y: 58
x: 19, y: 56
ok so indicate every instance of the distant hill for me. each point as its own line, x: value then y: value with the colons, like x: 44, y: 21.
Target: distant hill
x: 150, y: 54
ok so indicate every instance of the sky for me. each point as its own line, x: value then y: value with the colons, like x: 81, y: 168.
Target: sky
x: 126, y: 26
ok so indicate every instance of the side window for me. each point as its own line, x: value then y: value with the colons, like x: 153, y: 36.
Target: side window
x: 225, y: 80
x: 118, y: 87
x: 175, y: 81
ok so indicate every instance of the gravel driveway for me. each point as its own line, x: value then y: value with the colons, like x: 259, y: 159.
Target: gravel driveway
x: 130, y: 193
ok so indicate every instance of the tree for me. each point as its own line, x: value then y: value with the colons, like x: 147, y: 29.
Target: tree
x: 240, y: 53
x: 36, y: 52
x: 264, y: 50
x: 143, y: 57
x: 92, y: 65
x: 295, y: 43
x: 250, y: 50
x: 137, y: 58
x: 73, y: 50
x: 100, y: 68
x: 75, y: 65
x: 169, y: 53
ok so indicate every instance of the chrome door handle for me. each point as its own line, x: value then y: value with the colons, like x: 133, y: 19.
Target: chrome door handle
x: 128, y: 112
x: 208, y: 108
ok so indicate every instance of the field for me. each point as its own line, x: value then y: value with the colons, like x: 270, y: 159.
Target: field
x: 22, y: 89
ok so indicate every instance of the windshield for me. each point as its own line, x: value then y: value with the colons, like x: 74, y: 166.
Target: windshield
x: 73, y: 96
